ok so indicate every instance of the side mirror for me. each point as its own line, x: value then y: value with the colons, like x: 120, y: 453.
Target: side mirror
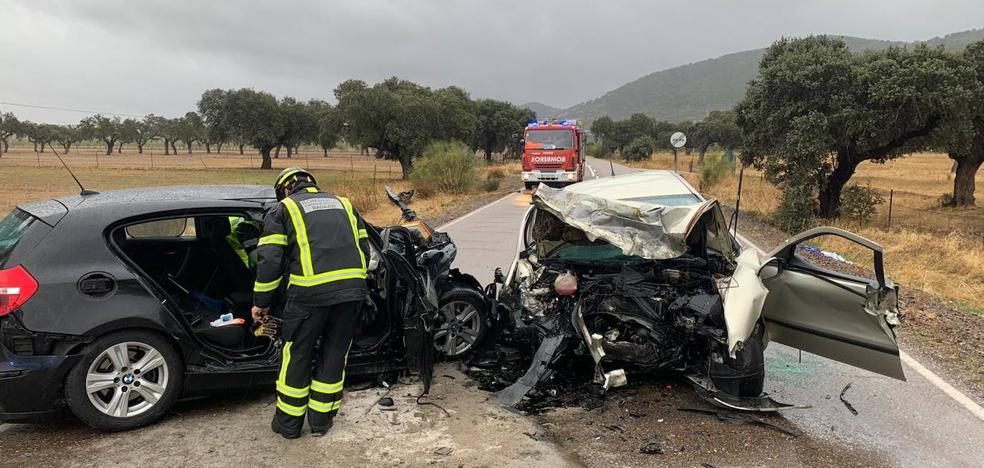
x: 771, y: 268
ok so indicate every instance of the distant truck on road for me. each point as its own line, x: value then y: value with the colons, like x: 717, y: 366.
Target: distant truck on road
x: 553, y: 152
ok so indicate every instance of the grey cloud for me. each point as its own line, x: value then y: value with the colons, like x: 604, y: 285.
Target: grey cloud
x: 157, y: 56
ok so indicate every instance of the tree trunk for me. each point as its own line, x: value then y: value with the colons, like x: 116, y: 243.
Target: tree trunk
x: 166, y: 143
x: 241, y: 150
x: 218, y: 148
x: 189, y: 147
x: 700, y: 156
x: 406, y: 164
x: 830, y: 192
x: 208, y: 148
x: 267, y: 163
x: 325, y: 148
x: 67, y: 147
x: 488, y: 154
x: 964, y: 183
x: 35, y: 146
x: 109, y: 147
x: 42, y: 146
x: 174, y: 149
x: 277, y: 153
x: 6, y: 146
x: 140, y: 148
x: 119, y: 149
x: 290, y: 152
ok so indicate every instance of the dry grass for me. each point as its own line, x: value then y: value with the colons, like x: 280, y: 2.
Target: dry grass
x: 337, y: 160
x: 20, y: 184
x: 938, y: 250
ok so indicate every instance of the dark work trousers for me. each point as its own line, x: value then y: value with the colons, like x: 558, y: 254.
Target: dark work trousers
x: 298, y: 391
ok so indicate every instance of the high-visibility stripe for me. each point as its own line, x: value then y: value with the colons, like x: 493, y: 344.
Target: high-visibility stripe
x: 312, y: 190
x: 273, y: 239
x: 300, y: 230
x: 355, y: 228
x: 284, y: 362
x: 363, y: 233
x: 290, y: 409
x: 293, y: 392
x: 285, y: 176
x: 259, y: 287
x: 327, y: 277
x: 322, y: 407
x: 328, y: 389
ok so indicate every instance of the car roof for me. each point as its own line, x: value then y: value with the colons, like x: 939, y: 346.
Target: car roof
x: 136, y: 201
x: 649, y: 183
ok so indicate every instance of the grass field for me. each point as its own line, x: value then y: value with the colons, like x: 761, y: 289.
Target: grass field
x: 95, y: 158
x: 938, y: 250
x: 21, y: 182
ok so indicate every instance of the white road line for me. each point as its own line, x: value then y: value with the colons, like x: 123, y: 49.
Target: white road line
x: 942, y: 385
x: 473, y: 212
x: 934, y: 379
x: 593, y: 174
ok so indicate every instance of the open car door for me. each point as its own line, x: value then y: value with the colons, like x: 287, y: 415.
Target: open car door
x: 418, y: 302
x: 835, y: 315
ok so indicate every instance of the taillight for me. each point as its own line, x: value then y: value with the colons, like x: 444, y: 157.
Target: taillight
x: 16, y: 287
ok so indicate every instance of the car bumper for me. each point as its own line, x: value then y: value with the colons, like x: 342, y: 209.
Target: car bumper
x: 549, y: 176
x: 31, y: 386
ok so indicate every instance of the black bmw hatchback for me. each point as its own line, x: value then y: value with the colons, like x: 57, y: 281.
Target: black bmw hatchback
x: 116, y: 305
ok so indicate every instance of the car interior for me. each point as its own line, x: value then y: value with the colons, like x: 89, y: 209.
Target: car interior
x: 207, y: 265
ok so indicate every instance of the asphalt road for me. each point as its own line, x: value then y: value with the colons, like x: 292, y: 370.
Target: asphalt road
x: 913, y: 423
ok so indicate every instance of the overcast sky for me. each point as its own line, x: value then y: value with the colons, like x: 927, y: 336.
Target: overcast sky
x: 157, y: 56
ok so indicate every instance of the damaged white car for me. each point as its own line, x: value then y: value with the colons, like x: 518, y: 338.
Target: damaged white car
x: 639, y: 273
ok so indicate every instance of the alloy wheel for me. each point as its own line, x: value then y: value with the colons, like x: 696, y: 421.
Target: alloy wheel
x: 127, y: 379
x: 460, y: 328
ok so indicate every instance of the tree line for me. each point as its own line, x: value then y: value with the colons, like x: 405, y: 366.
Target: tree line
x: 638, y: 136
x: 394, y: 118
x: 816, y: 111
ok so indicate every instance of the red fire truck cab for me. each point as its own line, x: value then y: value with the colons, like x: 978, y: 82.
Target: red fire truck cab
x: 553, y: 152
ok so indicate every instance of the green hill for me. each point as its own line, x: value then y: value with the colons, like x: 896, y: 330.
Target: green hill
x: 691, y: 91
x: 543, y: 111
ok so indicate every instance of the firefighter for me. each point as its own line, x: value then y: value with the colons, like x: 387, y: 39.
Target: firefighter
x: 313, y: 253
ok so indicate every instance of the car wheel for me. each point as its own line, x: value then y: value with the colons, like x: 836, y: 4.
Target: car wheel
x: 125, y: 380
x: 744, y: 375
x: 461, y: 322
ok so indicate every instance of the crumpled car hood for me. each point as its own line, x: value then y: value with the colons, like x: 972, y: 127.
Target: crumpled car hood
x: 644, y: 230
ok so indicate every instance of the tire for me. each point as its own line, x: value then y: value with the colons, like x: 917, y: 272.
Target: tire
x: 529, y: 185
x: 462, y: 323
x: 744, y: 375
x: 136, y: 380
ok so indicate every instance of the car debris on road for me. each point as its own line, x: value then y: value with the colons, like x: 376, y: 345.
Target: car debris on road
x: 639, y: 274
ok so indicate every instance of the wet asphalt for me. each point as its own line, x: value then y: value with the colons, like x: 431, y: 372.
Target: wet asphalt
x: 911, y: 423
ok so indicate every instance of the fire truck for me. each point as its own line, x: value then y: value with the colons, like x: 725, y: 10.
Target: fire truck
x: 553, y: 152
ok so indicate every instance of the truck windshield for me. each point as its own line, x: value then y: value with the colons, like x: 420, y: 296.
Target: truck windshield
x: 12, y: 228
x: 549, y: 139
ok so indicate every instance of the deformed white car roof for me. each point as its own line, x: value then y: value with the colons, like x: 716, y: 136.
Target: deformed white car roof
x: 651, y: 183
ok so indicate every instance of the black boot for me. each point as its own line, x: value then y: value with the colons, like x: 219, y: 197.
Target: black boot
x: 278, y: 428
x: 318, y: 431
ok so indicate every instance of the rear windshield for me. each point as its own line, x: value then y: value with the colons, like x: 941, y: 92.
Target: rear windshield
x: 12, y: 228
x: 669, y: 200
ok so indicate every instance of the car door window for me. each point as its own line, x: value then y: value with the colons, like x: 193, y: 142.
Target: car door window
x: 162, y: 228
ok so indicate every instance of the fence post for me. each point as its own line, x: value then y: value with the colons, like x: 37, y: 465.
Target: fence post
x: 891, y: 198
x: 373, y: 174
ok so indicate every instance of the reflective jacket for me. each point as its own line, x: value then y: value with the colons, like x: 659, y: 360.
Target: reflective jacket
x: 317, y: 244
